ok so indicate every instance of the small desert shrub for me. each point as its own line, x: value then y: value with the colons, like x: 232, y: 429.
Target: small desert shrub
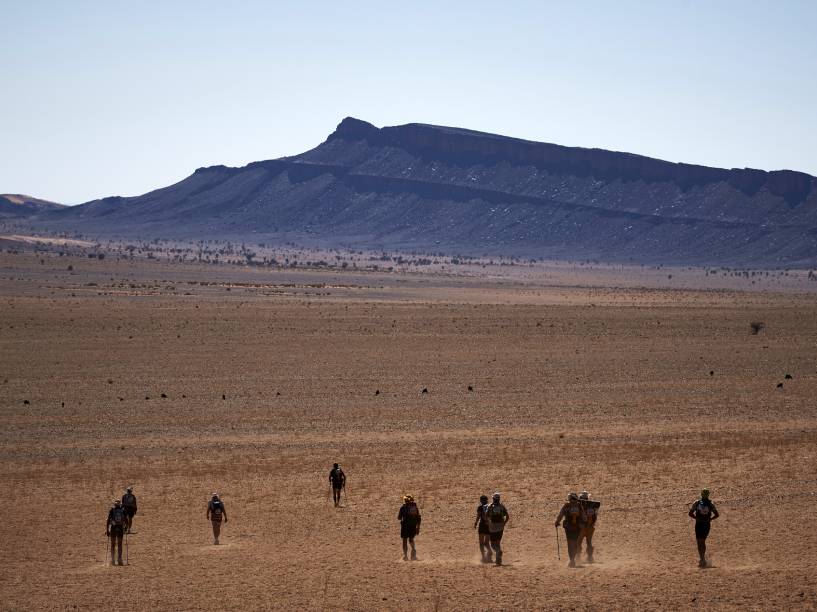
x: 756, y: 326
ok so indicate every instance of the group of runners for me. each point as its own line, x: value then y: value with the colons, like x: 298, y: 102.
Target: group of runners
x: 578, y: 517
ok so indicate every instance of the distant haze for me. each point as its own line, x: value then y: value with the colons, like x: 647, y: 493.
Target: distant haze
x: 106, y: 100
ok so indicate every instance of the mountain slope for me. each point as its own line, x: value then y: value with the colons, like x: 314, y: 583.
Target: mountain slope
x: 15, y: 205
x: 429, y: 187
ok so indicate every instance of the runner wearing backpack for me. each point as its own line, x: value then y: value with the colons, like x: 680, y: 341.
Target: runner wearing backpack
x: 497, y: 517
x: 115, y: 529
x: 410, y: 519
x: 129, y: 505
x: 591, y: 515
x: 574, y: 519
x: 337, y: 480
x: 481, y: 525
x: 216, y: 513
x: 704, y: 512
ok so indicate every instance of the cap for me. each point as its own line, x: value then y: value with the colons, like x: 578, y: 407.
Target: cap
x: 584, y: 495
x: 116, y: 502
x: 408, y: 498
x: 705, y: 493
x: 572, y: 496
x: 483, y: 499
x: 129, y: 489
x: 496, y: 495
x: 335, y: 465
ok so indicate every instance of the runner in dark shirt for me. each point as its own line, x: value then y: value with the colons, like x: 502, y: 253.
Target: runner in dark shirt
x: 337, y: 480
x: 410, y: 519
x: 481, y: 526
x: 704, y: 512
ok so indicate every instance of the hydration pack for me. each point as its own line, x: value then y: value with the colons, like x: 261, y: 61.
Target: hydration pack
x: 703, y: 510
x: 217, y: 509
x: 412, y: 512
x: 129, y: 500
x: 118, y: 517
x: 495, y: 513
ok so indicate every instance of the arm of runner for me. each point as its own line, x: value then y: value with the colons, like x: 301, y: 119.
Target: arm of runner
x: 560, y: 517
x: 715, y: 513
x: 692, y: 510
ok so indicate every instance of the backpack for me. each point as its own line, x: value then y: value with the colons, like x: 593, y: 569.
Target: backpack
x: 129, y: 500
x: 495, y: 513
x: 118, y: 517
x: 216, y: 509
x: 412, y: 512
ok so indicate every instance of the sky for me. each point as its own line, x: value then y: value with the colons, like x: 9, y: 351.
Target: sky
x: 115, y: 98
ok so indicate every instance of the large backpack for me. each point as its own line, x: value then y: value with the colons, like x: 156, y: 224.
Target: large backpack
x: 118, y: 517
x: 495, y: 513
x: 216, y: 509
x: 412, y: 512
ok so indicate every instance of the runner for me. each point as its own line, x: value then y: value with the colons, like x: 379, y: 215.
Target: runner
x: 115, y: 529
x: 216, y: 513
x: 410, y: 519
x: 591, y: 515
x: 481, y: 525
x: 497, y: 517
x: 337, y: 480
x: 129, y: 504
x: 704, y: 512
x: 574, y: 518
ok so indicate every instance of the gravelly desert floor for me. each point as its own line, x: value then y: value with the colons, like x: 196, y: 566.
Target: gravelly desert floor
x: 640, y: 395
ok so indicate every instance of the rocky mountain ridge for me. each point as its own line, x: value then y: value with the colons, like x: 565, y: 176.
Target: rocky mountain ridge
x: 425, y: 187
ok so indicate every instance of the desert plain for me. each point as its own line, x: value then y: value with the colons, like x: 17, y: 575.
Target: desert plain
x: 181, y: 379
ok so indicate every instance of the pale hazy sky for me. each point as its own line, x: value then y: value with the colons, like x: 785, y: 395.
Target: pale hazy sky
x: 115, y: 98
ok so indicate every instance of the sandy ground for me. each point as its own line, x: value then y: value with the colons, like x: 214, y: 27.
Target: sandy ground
x: 640, y: 395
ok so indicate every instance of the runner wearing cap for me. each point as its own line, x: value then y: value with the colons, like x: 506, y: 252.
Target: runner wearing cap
x: 497, y: 517
x: 410, y: 519
x: 574, y: 517
x: 216, y: 513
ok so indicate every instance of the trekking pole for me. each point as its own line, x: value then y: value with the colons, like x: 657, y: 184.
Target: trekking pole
x: 558, y: 551
x: 345, y: 497
x: 127, y: 550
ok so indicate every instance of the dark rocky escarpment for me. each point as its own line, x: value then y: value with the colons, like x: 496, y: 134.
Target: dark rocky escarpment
x: 428, y: 187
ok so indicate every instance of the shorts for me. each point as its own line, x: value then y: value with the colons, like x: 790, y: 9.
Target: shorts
x: 130, y: 512
x: 496, y: 537
x: 482, y: 529
x: 701, y: 530
x: 117, y: 532
x: 408, y: 530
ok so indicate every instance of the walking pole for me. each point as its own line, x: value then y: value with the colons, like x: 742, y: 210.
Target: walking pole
x: 558, y: 552
x: 345, y: 497
x: 127, y: 551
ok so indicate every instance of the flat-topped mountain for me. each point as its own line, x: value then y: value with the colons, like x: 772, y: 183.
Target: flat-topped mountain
x: 428, y: 187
